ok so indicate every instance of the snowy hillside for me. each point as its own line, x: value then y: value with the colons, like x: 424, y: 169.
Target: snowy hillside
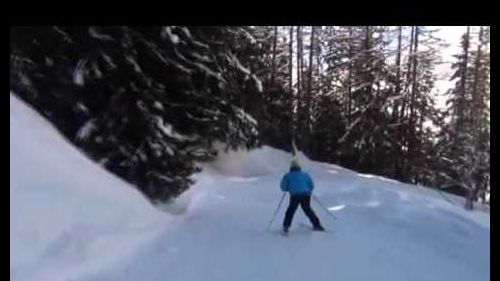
x: 71, y: 220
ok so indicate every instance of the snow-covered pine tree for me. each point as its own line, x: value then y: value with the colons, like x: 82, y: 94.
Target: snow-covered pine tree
x: 276, y: 118
x: 422, y: 112
x: 409, y: 103
x: 328, y: 100
x: 481, y: 115
x: 364, y: 135
x: 146, y: 102
x: 318, y: 104
x: 464, y: 141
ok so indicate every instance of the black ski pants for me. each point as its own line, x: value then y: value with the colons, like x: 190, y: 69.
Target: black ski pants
x: 304, y: 201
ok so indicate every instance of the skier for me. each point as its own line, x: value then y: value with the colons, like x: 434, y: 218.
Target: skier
x: 300, y: 185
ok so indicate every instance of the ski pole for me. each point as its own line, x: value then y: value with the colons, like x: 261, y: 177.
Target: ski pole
x: 275, y: 212
x: 323, y: 207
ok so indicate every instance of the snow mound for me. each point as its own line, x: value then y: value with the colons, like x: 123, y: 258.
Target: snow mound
x: 64, y: 208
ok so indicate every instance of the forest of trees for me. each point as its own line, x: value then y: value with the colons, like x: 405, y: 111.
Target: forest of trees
x: 148, y: 103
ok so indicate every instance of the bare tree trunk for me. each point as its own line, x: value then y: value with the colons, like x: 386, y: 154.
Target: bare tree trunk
x: 395, y: 112
x: 349, y: 82
x: 469, y: 199
x: 299, y: 60
x: 311, y: 57
x: 412, y: 123
x: 300, y: 96
x: 290, y: 76
x: 475, y: 95
x: 319, y: 32
x: 476, y: 111
x: 319, y: 36
x: 463, y: 82
x: 368, y: 47
x: 398, y: 73
x: 273, y: 67
x: 408, y: 74
x: 303, y: 85
x: 414, y: 86
x: 402, y: 136
x: 290, y: 65
x: 461, y: 108
x: 309, y: 91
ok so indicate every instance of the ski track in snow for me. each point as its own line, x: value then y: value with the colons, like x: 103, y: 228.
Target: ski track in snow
x: 96, y: 227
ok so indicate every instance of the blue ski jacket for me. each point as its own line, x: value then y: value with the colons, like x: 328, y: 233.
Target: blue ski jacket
x: 297, y: 182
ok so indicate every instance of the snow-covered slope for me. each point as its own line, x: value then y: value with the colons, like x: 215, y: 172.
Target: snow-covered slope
x: 71, y: 220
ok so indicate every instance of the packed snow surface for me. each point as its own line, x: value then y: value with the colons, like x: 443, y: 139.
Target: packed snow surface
x: 72, y: 220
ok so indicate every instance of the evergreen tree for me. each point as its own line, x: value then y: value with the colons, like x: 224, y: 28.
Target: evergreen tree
x: 464, y: 141
x: 275, y: 119
x: 145, y: 102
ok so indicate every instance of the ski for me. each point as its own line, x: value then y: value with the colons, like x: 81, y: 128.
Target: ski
x: 303, y: 225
